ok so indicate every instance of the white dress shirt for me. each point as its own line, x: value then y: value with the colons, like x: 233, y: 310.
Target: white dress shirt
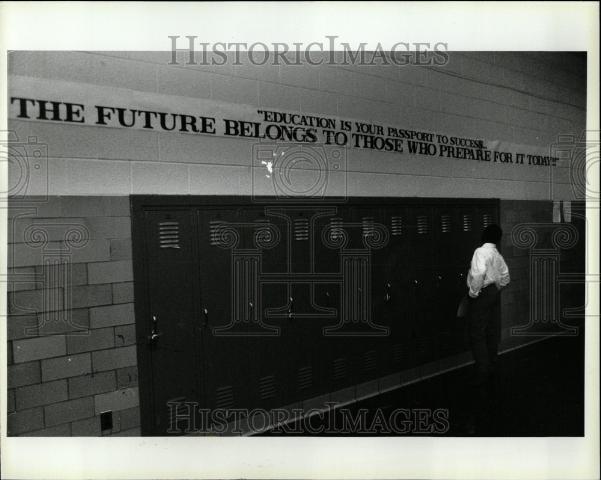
x: 488, y: 267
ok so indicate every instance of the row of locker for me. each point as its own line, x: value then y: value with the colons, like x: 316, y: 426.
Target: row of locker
x: 259, y: 306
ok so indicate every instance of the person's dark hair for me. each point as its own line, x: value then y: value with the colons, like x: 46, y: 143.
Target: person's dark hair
x: 492, y: 234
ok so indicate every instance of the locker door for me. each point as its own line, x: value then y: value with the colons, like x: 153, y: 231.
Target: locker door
x: 423, y: 329
x: 329, y: 241
x: 449, y: 278
x: 171, y: 331
x: 401, y: 298
x: 265, y: 235
x: 227, y: 271
x: 376, y: 232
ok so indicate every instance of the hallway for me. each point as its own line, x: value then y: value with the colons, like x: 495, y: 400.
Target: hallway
x: 540, y: 393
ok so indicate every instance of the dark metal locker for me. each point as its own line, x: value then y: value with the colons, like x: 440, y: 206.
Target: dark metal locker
x: 167, y: 325
x: 261, y: 305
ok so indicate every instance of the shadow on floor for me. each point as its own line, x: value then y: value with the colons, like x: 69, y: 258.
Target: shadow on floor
x: 540, y: 392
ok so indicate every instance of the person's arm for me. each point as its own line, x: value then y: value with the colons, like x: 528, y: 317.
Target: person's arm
x: 504, y: 278
x: 477, y: 273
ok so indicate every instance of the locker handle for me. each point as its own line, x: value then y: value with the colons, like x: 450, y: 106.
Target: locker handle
x: 206, y: 317
x: 387, y: 296
x: 154, y: 333
x: 291, y: 308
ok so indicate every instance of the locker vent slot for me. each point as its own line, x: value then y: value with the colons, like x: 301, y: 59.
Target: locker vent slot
x: 218, y: 233
x: 304, y: 378
x: 224, y: 397
x: 486, y: 219
x: 169, y: 235
x: 367, y: 225
x: 267, y: 387
x: 339, y: 369
x: 467, y: 223
x: 445, y: 223
x: 422, y: 225
x: 397, y: 225
x: 301, y: 229
x: 369, y: 361
x: 397, y: 352
x: 336, y: 230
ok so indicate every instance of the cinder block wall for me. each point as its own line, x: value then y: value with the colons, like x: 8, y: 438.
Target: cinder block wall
x: 63, y: 372
x: 520, y: 98
x: 515, y: 300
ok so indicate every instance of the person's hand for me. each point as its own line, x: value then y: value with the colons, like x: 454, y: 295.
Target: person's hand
x: 472, y: 295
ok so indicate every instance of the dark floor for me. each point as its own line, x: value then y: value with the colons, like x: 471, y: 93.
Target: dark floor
x: 540, y: 392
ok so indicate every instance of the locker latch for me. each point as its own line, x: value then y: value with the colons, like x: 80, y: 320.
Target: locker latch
x: 154, y: 333
x: 387, y: 295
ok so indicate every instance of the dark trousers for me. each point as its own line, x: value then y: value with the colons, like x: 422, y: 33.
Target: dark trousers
x: 484, y: 335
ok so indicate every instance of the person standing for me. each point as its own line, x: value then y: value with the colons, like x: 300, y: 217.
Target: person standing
x: 487, y: 275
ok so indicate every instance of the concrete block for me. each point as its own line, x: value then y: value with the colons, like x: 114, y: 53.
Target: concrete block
x: 129, y: 418
x: 184, y: 82
x: 23, y: 255
x: 119, y: 206
x: 91, y: 296
x: 369, y: 86
x: 335, y: 80
x: 96, y: 339
x: 109, y: 227
x: 22, y: 278
x: 127, y: 377
x: 158, y: 178
x: 86, y: 67
x: 41, y: 394
x: 69, y: 411
x: 23, y: 374
x: 318, y: 103
x: 235, y: 90
x: 118, y: 400
x: 89, y: 427
x: 220, y: 180
x: 244, y: 68
x: 31, y: 301
x: 123, y: 292
x: 92, y: 384
x: 134, y: 432
x: 39, y: 348
x: 25, y: 421
x: 110, y: 272
x: 85, y: 207
x: 112, y: 315
x: 65, y: 321
x: 121, y: 249
x: 300, y: 75
x: 89, y: 142
x: 215, y: 150
x: 21, y: 326
x: 96, y: 177
x: 116, y: 358
x: 125, y: 335
x: 63, y: 367
x: 278, y: 97
x: 77, y: 273
x: 58, y: 431
x: 10, y: 400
